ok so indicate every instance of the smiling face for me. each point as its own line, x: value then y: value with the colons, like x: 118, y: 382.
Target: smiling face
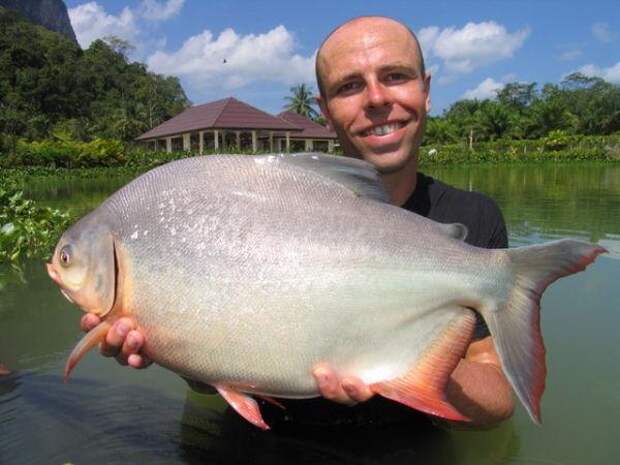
x: 375, y: 94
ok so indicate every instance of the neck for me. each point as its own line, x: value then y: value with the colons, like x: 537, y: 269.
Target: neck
x: 401, y: 184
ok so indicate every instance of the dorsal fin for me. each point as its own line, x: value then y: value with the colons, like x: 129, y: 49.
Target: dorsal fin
x: 455, y: 230
x: 356, y: 175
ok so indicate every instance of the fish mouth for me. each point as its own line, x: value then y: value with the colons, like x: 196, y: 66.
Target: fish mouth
x: 51, y: 271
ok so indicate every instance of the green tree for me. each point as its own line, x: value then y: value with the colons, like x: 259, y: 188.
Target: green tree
x: 517, y: 95
x: 301, y: 101
x: 494, y: 119
x: 49, y: 87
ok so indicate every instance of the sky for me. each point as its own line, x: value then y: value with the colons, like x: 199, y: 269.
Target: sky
x: 256, y: 50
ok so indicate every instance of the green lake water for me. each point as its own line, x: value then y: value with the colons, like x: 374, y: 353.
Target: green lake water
x: 108, y: 414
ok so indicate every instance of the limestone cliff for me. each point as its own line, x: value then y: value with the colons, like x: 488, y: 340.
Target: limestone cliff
x: 51, y: 14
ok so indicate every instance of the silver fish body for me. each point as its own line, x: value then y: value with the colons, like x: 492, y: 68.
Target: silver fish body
x: 247, y: 272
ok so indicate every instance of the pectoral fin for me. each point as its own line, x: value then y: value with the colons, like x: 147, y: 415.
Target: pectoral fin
x: 244, y: 405
x: 424, y: 386
x: 90, y: 340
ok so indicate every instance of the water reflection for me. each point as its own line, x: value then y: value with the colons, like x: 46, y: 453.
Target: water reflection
x: 93, y: 422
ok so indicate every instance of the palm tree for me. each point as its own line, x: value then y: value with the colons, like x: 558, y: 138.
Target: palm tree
x: 301, y: 101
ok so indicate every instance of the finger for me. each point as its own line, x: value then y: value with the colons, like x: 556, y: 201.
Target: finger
x: 138, y: 361
x: 330, y: 387
x: 89, y: 321
x: 132, y: 344
x: 116, y: 337
x: 356, y: 390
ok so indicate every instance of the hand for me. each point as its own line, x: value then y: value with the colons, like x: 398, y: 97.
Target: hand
x: 349, y: 390
x: 123, y: 341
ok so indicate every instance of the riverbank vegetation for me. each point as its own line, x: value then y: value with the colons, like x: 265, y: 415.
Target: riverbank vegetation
x: 27, y: 229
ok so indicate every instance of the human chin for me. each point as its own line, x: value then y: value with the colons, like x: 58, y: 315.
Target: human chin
x: 388, y: 161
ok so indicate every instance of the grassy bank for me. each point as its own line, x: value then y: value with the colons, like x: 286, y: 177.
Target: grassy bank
x: 56, y: 156
x: 557, y: 147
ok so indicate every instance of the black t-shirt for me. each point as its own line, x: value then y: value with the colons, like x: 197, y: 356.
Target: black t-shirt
x: 446, y: 204
x: 439, y: 202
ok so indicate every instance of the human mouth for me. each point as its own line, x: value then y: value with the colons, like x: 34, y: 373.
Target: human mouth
x: 383, y: 129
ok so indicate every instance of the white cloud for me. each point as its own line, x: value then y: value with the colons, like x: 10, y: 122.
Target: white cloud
x: 91, y: 22
x: 487, y: 89
x: 156, y: 11
x: 230, y: 60
x: 473, y: 46
x: 610, y: 74
x: 601, y: 32
x: 570, y: 55
x: 427, y: 37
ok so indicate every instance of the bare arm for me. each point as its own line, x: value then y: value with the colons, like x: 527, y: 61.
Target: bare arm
x: 477, y: 388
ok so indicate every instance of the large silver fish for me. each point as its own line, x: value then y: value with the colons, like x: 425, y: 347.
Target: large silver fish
x: 246, y: 272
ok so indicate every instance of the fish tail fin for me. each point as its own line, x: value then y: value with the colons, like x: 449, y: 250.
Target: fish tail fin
x: 515, y: 323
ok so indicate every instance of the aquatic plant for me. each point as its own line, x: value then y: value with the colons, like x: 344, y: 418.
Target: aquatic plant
x: 27, y: 230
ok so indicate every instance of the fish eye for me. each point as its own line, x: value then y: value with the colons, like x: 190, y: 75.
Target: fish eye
x: 65, y: 256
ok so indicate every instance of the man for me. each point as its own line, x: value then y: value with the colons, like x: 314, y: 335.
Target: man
x: 375, y: 93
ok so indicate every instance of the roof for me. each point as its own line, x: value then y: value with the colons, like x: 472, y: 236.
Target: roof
x: 228, y: 113
x: 310, y: 129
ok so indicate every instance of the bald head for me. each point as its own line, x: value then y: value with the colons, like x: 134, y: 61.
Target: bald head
x: 357, y: 29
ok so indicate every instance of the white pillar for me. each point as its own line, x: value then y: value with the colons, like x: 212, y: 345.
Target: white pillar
x: 330, y: 146
x: 216, y: 139
x: 254, y: 142
x: 201, y: 144
x: 238, y: 137
x: 271, y: 141
x: 309, y: 145
x: 168, y: 144
x: 187, y: 143
x: 288, y: 141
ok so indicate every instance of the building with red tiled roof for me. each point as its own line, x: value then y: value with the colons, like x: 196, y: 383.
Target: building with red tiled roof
x: 312, y: 137
x: 229, y: 124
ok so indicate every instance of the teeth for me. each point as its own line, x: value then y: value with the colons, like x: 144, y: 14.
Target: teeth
x: 383, y: 130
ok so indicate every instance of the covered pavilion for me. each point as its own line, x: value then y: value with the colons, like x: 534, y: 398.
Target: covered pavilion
x: 229, y: 124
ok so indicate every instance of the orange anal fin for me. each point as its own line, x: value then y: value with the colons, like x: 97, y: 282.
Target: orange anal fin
x: 90, y: 340
x: 424, y: 386
x: 244, y: 405
x: 272, y: 401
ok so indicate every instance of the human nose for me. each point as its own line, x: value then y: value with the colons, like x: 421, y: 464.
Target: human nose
x: 376, y: 95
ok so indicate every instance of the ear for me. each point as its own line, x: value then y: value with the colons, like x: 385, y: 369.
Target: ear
x: 427, y: 89
x: 324, y: 111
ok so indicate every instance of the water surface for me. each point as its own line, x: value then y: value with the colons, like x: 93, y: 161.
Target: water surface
x: 108, y: 414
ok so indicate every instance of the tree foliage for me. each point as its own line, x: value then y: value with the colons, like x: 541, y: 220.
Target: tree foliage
x: 301, y: 101
x: 579, y: 105
x: 50, y: 87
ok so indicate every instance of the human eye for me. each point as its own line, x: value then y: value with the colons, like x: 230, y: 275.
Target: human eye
x: 397, y: 77
x: 349, y: 87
